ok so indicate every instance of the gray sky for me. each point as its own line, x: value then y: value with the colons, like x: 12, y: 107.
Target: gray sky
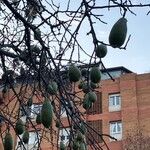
x: 136, y: 56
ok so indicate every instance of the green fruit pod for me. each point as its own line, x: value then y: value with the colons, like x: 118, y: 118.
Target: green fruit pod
x: 76, y: 145
x: 80, y: 85
x: 95, y: 75
x: 93, y: 85
x: 8, y: 142
x: 19, y: 128
x: 74, y: 73
x: 30, y: 102
x: 53, y: 88
x: 85, y: 87
x: 86, y: 104
x: 91, y: 96
x: 38, y: 119
x: 47, y: 114
x: 80, y: 137
x: 101, y: 51
x: 118, y: 33
x: 62, y: 146
x: 84, y: 72
x: 25, y: 137
x: 82, y: 146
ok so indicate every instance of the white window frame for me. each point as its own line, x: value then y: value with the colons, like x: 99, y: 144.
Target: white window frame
x: 34, y: 112
x: 31, y: 144
x: 114, y: 102
x: 63, y: 112
x: 64, y: 132
x: 116, y: 130
x: 31, y: 112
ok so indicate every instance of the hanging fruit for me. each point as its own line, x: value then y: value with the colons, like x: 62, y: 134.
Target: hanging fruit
x: 118, y: 33
x: 74, y: 73
x: 47, y: 114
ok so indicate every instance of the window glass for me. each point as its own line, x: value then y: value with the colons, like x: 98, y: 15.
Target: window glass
x: 64, y: 135
x: 33, y: 137
x: 35, y: 109
x: 62, y: 138
x: 116, y: 130
x: 119, y: 127
x: 31, y: 111
x: 114, y: 102
x: 33, y: 141
x: 117, y: 100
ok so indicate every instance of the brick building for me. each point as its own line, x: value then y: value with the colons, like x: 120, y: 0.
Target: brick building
x: 123, y: 105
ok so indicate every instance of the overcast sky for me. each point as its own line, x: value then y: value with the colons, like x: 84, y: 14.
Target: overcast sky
x: 137, y: 55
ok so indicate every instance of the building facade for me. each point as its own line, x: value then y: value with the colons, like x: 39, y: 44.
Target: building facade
x: 123, y: 106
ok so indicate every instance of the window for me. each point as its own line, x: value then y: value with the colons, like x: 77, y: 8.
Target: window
x: 114, y: 102
x: 34, y: 137
x: 64, y: 135
x: 116, y: 130
x: 35, y: 109
x: 31, y: 111
x: 63, y: 112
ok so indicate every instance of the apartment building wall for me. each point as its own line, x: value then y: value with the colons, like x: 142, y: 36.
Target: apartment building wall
x: 134, y: 91
x: 14, y: 112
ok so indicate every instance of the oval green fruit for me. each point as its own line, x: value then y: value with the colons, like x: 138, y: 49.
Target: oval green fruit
x: 86, y: 104
x: 85, y: 87
x: 74, y: 73
x: 80, y: 137
x: 47, y: 114
x: 95, y: 75
x: 118, y: 33
x: 38, y: 119
x: 101, y: 51
x: 82, y: 146
x: 19, y: 128
x: 8, y: 142
x: 80, y: 85
x: 76, y: 145
x: 93, y: 85
x: 30, y: 102
x: 53, y: 88
x: 25, y: 137
x: 62, y: 146
x: 91, y: 96
x: 84, y: 72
